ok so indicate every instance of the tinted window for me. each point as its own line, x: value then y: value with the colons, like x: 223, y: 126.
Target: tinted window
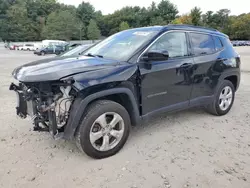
x: 202, y: 44
x: 175, y: 43
x: 218, y: 44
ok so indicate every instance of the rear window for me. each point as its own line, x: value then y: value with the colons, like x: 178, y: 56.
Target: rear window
x: 202, y: 44
x: 218, y: 43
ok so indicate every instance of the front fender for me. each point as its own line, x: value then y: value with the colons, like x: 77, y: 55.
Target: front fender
x: 102, y: 76
x: 80, y: 104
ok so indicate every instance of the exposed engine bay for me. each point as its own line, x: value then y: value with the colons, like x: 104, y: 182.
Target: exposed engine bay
x: 46, y: 104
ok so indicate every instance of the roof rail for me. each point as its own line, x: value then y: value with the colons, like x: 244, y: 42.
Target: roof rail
x: 192, y: 26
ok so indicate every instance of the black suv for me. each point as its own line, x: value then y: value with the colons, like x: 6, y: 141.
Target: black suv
x: 127, y: 78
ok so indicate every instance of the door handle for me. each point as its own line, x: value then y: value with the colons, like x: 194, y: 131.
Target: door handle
x: 185, y: 65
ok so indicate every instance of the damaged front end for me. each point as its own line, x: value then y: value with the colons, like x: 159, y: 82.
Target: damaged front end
x: 47, y: 104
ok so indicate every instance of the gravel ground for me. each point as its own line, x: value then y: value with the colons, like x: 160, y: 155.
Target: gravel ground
x: 184, y: 149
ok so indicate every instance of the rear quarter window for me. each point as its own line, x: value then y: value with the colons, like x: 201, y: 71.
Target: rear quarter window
x: 218, y: 43
x: 202, y: 44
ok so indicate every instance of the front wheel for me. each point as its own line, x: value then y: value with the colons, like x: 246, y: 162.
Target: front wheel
x: 224, y: 99
x: 104, y: 129
x: 42, y: 53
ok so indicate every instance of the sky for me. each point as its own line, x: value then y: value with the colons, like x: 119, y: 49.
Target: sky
x: 184, y: 6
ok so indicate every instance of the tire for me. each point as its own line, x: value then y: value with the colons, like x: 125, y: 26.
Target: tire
x: 28, y: 49
x: 93, y: 113
x: 214, y: 108
x: 43, y: 53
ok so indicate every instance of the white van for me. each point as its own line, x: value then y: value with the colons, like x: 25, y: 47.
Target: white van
x: 46, y: 43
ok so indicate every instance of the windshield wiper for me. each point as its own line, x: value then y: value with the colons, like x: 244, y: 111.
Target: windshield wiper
x: 94, y: 55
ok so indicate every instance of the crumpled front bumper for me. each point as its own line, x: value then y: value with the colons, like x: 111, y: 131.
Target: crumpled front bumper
x: 27, y: 107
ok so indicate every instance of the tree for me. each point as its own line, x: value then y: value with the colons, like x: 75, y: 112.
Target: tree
x: 61, y: 25
x: 157, y: 21
x: 124, y: 26
x: 184, y: 19
x: 93, y: 30
x: 196, y: 16
x: 19, y: 26
x: 85, y: 12
x: 167, y: 11
x: 240, y: 27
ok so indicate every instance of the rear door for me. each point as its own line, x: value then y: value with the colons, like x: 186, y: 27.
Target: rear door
x: 205, y: 56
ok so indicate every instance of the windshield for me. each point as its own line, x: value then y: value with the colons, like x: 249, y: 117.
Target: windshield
x: 121, y: 46
x: 76, y: 51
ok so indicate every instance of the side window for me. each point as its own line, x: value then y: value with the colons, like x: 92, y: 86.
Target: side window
x: 175, y: 43
x: 218, y: 43
x: 202, y: 44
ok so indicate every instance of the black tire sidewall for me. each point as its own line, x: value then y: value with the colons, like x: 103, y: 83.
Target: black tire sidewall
x: 222, y: 86
x: 92, y: 114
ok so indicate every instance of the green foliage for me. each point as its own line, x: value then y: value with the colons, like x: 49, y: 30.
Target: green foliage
x: 26, y: 20
x: 196, y: 16
x: 124, y: 26
x: 85, y: 12
x: 93, y: 31
x: 184, y: 19
x: 167, y: 11
x: 60, y: 25
x: 240, y: 27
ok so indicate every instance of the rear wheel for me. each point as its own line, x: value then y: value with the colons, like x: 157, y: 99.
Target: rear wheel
x: 104, y: 129
x: 224, y: 99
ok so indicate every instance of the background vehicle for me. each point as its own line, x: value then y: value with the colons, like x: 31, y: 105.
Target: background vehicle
x: 129, y: 77
x: 28, y: 47
x: 46, y: 43
x: 72, y: 46
x: 38, y: 46
x: 50, y: 50
x: 77, y: 50
x: 20, y: 47
x: 13, y: 46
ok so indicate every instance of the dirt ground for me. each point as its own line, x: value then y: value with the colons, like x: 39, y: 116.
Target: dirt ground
x: 184, y: 149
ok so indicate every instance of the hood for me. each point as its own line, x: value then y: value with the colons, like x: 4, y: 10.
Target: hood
x: 56, y: 68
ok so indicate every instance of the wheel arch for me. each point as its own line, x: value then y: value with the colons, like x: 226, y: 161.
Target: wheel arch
x: 232, y: 76
x: 119, y: 95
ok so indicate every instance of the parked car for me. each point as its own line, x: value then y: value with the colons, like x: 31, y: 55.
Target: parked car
x: 77, y: 50
x: 50, y: 50
x: 19, y: 47
x: 28, y: 47
x: 13, y: 46
x: 46, y: 43
x: 72, y: 46
x: 125, y: 79
x: 38, y: 46
x: 235, y: 43
x: 245, y: 43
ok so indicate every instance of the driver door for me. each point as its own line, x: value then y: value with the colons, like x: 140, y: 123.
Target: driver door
x: 166, y: 85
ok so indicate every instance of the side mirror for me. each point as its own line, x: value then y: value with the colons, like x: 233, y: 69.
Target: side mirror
x: 156, y: 56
